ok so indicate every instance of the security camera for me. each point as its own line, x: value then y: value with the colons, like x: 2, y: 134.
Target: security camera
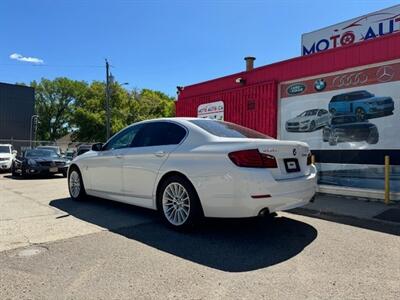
x: 240, y: 80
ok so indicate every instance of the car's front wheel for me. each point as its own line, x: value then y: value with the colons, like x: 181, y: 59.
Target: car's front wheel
x: 312, y: 126
x: 75, y: 185
x: 373, y: 137
x: 333, y: 139
x: 178, y: 203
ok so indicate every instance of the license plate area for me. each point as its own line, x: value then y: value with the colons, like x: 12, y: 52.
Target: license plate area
x: 291, y: 165
x: 53, y: 169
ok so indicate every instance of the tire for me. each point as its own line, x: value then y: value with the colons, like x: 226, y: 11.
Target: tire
x: 333, y: 139
x: 312, y: 126
x: 178, y: 203
x: 13, y: 173
x: 76, y: 187
x: 360, y: 114
x: 373, y: 137
x: 64, y: 174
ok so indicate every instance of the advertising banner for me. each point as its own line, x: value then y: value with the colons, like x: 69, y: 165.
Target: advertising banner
x: 213, y: 110
x: 357, y: 109
x: 373, y: 25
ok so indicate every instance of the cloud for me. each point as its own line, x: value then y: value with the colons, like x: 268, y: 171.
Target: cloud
x: 33, y: 60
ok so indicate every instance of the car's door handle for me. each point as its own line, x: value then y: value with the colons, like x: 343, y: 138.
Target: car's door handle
x: 159, y: 153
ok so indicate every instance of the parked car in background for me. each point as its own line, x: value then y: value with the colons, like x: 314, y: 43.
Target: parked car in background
x: 7, y: 155
x: 363, y: 104
x: 347, y: 128
x: 39, y: 162
x: 188, y: 167
x: 308, y: 120
x: 83, y: 149
x: 70, y: 154
x: 55, y: 149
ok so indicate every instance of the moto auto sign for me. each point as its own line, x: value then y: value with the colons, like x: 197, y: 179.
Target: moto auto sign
x: 373, y: 25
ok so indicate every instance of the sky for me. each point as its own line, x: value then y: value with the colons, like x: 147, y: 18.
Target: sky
x: 157, y: 44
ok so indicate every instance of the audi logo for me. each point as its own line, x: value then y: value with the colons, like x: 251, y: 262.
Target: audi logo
x: 347, y: 80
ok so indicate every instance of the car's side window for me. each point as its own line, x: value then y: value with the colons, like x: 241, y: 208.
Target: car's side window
x: 159, y: 133
x: 123, y: 139
x: 320, y: 113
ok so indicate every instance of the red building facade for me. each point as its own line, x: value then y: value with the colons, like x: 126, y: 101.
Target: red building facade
x: 253, y: 103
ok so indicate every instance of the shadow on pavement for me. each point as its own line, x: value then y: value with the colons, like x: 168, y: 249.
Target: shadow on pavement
x: 35, y: 177
x: 224, y: 244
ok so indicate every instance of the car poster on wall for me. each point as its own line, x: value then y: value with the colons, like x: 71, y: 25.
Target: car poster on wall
x: 213, y: 110
x: 353, y: 109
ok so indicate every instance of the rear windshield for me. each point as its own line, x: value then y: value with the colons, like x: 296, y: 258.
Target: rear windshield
x: 40, y: 153
x: 226, y: 129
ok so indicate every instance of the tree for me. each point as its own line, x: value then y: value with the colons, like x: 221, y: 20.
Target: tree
x: 89, y: 117
x: 54, y: 101
x: 65, y: 106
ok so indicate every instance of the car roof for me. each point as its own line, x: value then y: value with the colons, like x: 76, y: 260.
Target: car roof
x: 352, y: 93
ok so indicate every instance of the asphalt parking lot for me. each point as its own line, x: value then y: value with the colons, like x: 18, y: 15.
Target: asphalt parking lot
x: 54, y: 248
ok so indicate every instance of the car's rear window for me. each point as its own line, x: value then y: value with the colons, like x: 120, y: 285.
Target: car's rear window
x: 226, y: 129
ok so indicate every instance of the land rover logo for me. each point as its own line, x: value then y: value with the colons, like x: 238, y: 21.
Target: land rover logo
x: 296, y: 88
x: 319, y: 85
x: 294, y: 152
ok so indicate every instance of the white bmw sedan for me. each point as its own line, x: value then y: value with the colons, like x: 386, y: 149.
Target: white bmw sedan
x: 187, y: 168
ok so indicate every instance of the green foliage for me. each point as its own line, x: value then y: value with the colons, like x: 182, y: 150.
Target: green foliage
x: 54, y: 101
x: 65, y: 105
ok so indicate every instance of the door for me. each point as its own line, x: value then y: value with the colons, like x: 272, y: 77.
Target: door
x: 142, y: 162
x: 323, y: 117
x: 105, y: 169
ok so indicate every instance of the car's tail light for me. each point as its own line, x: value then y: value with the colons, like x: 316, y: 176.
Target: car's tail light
x: 309, y: 159
x: 252, y: 159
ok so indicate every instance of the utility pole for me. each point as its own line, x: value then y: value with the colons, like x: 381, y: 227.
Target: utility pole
x: 108, y: 113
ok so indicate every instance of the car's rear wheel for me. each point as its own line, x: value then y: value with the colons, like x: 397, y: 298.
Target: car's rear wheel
x: 360, y: 114
x: 178, y: 203
x: 75, y: 185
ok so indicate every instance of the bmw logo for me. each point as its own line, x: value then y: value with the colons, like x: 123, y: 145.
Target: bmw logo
x: 294, y: 152
x: 319, y: 85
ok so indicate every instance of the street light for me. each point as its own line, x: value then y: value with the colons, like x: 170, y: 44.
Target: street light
x: 30, y: 133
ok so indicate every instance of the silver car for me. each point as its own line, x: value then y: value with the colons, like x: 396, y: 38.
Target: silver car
x: 308, y: 120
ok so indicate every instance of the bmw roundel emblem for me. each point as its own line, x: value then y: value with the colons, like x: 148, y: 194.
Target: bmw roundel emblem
x: 294, y: 152
x: 319, y: 85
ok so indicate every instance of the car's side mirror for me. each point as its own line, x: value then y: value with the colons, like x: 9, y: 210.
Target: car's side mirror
x: 97, y: 147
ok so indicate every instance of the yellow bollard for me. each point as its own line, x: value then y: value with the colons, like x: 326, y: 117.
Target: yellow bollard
x: 387, y: 179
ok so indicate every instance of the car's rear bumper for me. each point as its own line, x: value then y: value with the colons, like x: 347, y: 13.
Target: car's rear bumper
x: 254, y: 192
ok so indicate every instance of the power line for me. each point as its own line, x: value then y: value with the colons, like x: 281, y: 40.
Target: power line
x: 52, y: 66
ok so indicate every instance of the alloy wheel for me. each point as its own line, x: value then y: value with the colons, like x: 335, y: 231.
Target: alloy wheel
x: 74, y: 184
x: 176, y: 204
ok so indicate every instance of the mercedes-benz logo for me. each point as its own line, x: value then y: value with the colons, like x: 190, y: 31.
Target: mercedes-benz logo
x: 294, y: 152
x: 385, y: 74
